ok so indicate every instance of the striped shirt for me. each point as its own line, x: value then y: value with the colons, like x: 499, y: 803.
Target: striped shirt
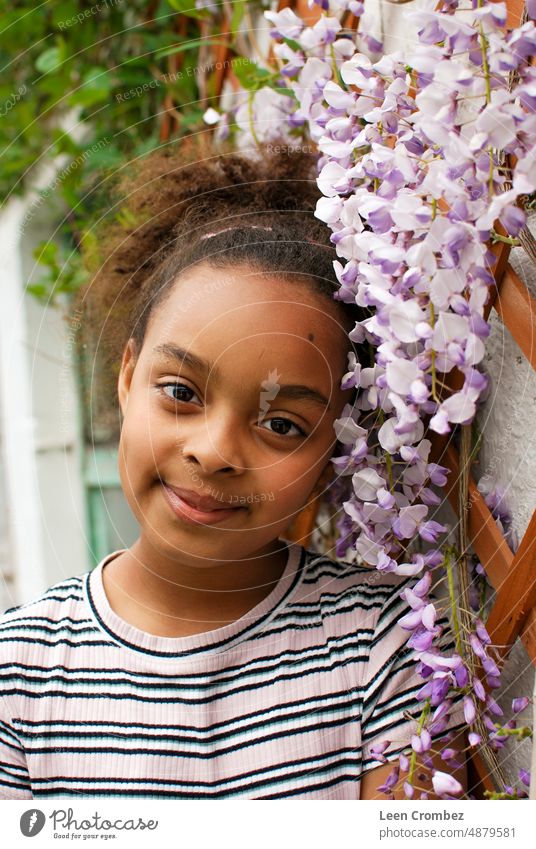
x: 285, y: 702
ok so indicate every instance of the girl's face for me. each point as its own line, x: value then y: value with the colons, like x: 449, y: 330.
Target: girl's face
x: 228, y: 412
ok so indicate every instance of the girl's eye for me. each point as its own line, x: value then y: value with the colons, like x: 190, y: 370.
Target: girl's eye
x: 283, y: 426
x: 179, y: 392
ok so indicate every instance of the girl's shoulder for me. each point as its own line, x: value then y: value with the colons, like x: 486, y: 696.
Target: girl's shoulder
x: 47, y: 619
x: 343, y: 583
x: 323, y: 570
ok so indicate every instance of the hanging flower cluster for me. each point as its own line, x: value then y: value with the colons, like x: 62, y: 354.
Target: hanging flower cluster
x: 413, y: 180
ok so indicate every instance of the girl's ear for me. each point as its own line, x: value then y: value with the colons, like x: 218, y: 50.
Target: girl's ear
x: 126, y: 371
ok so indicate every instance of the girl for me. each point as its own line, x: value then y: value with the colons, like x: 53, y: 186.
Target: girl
x: 215, y: 658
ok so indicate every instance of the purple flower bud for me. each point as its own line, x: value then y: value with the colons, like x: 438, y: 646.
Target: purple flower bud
x: 429, y: 531
x: 442, y: 710
x: 444, y: 783
x: 429, y: 497
x: 429, y: 614
x: 438, y: 727
x: 416, y: 744
x: 494, y: 707
x: 469, y: 709
x: 490, y: 667
x: 479, y: 689
x: 408, y: 790
x: 423, y: 670
x: 438, y: 474
x: 513, y: 219
x: 440, y: 688
x: 385, y: 499
x: 392, y: 778
x: 422, y: 586
x: 525, y: 777
x: 482, y: 633
x: 490, y: 725
x: 425, y: 692
x: 477, y: 646
x: 421, y: 639
x: 461, y: 675
x: 474, y: 738
x: 433, y: 558
x: 519, y: 704
x: 426, y: 739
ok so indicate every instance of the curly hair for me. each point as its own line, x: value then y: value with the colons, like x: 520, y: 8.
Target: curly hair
x: 168, y: 203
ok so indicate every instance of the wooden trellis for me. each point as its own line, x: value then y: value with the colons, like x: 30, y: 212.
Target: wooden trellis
x: 512, y: 576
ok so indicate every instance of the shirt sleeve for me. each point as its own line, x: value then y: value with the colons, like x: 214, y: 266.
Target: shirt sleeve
x: 392, y: 683
x: 14, y: 777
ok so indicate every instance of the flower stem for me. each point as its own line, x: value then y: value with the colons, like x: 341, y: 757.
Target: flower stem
x: 435, y: 396
x: 508, y: 240
x: 250, y: 115
x: 413, y: 759
x: 453, y: 603
x: 336, y: 72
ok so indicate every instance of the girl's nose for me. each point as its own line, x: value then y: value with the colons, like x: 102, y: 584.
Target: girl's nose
x: 214, y: 446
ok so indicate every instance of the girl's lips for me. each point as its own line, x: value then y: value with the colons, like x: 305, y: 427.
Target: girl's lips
x: 194, y: 514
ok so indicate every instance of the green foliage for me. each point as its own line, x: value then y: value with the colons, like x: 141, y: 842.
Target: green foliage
x: 61, y: 275
x: 90, y: 83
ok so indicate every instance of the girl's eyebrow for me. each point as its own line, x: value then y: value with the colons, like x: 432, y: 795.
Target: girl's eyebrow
x: 182, y: 356
x: 296, y: 392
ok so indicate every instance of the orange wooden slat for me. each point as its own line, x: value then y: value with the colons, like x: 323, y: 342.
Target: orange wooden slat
x: 517, y: 595
x: 478, y: 776
x: 514, y: 12
x: 502, y: 252
x: 484, y: 535
x: 517, y: 309
x: 308, y: 16
x: 528, y: 635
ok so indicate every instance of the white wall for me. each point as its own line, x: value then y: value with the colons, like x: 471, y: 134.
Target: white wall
x: 42, y: 537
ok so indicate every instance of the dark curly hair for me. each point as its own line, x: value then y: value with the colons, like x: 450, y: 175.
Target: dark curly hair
x: 168, y: 202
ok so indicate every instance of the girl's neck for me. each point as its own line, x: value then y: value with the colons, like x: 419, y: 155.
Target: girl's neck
x: 168, y: 599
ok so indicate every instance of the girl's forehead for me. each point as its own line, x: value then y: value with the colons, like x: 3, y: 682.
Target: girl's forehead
x: 247, y: 325
x: 209, y: 300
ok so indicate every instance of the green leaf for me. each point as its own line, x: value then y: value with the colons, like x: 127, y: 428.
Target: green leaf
x: 187, y: 7
x: 287, y: 92
x: 239, y: 7
x: 187, y: 45
x: 46, y: 253
x: 95, y: 88
x: 249, y: 74
x: 50, y: 60
x: 294, y: 45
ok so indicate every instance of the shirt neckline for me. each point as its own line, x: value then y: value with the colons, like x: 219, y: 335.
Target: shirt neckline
x: 205, y: 643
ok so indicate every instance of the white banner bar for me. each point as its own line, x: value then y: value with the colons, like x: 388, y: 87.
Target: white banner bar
x: 241, y: 825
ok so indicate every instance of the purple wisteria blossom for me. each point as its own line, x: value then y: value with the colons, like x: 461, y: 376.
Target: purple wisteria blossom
x: 411, y: 184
